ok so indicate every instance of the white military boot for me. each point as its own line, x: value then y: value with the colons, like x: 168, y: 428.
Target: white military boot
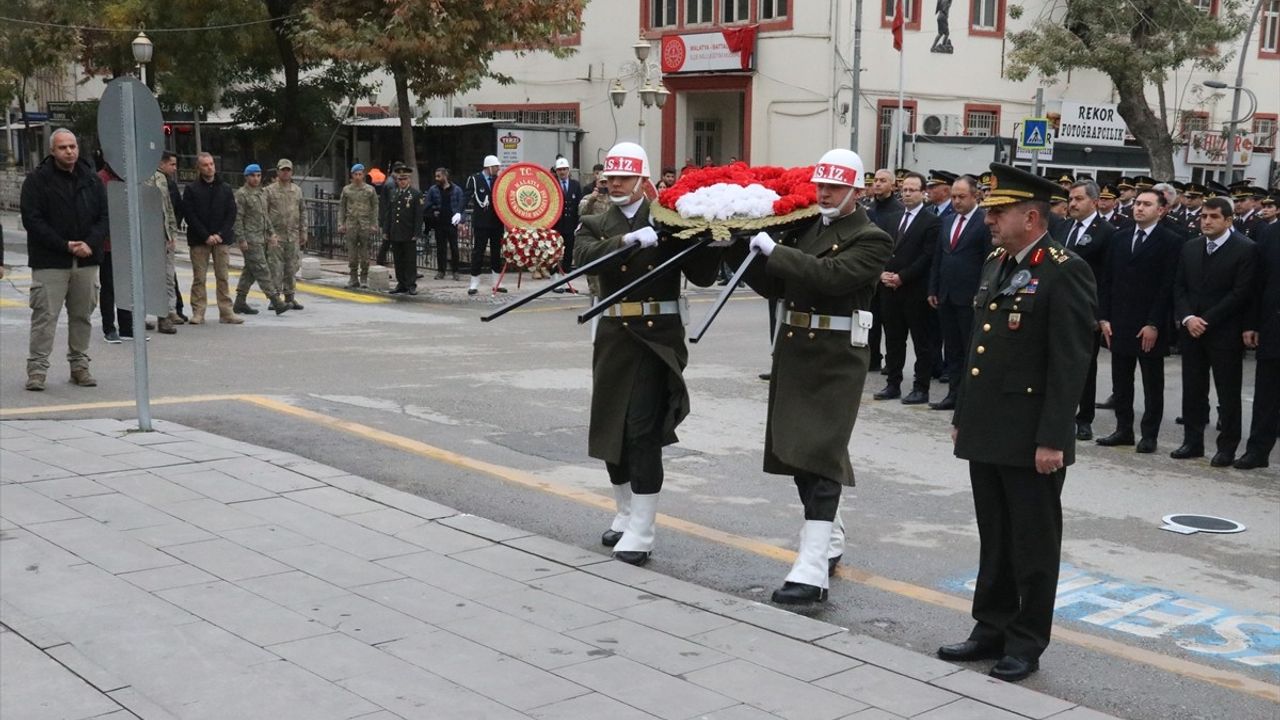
x: 637, y: 540
x: 622, y: 499
x: 808, y: 580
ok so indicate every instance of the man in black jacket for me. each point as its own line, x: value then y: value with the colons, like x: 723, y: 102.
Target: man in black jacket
x: 486, y: 228
x: 1089, y: 237
x: 964, y: 241
x: 567, y: 225
x: 64, y: 209
x: 885, y: 210
x: 1210, y: 300
x: 1135, y: 295
x: 210, y: 209
x: 1263, y: 333
x: 904, y: 289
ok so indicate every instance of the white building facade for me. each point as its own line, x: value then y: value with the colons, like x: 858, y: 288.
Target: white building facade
x: 792, y: 98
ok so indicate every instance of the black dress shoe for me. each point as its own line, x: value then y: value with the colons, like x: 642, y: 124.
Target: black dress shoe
x: 1108, y: 404
x: 916, y: 397
x: 1146, y: 446
x: 1118, y: 437
x: 398, y: 291
x: 1222, y: 459
x: 1250, y: 461
x: 631, y: 557
x: 890, y: 392
x: 969, y: 650
x: 947, y: 403
x: 610, y: 538
x: 1178, y: 420
x: 472, y: 291
x: 1187, y: 451
x: 799, y: 594
x: 1013, y: 669
x: 1084, y: 431
x: 831, y: 565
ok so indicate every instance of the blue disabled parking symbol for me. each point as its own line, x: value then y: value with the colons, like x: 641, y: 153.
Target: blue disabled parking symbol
x: 1035, y: 134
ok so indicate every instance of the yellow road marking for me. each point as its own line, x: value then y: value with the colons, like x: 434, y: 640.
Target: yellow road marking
x: 329, y: 292
x: 11, y: 303
x: 1223, y: 678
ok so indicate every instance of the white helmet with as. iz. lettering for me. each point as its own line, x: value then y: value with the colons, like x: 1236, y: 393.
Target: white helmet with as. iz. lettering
x: 840, y: 167
x: 626, y: 159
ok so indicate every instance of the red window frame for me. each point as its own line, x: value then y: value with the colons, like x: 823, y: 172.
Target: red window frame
x: 982, y: 107
x: 717, y: 10
x: 1263, y: 53
x: 983, y: 32
x: 1275, y: 122
x: 1182, y: 121
x: 916, y: 6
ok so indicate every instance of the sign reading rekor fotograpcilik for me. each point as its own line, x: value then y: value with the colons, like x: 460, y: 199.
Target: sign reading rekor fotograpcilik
x: 1091, y: 124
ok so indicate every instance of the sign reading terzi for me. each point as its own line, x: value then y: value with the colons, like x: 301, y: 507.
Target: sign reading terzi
x: 510, y: 151
x: 698, y: 52
x: 1092, y: 124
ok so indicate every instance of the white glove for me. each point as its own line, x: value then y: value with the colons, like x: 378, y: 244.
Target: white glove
x: 457, y: 218
x: 645, y: 237
x: 762, y: 242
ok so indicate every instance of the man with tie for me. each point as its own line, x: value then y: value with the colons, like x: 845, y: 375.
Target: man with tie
x: 1211, y: 295
x: 567, y: 225
x: 1134, y: 298
x: 965, y: 242
x: 904, y: 285
x: 1089, y: 237
x: 885, y: 210
x: 486, y: 228
x: 1263, y: 333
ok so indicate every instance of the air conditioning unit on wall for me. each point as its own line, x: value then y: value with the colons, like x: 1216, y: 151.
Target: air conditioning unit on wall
x: 945, y: 125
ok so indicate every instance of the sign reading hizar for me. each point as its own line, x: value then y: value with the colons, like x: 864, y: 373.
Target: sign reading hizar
x: 699, y: 52
x: 1091, y: 124
x: 1209, y: 147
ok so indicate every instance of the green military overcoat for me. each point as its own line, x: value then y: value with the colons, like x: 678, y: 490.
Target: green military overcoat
x: 1028, y: 357
x: 817, y: 376
x: 619, y: 341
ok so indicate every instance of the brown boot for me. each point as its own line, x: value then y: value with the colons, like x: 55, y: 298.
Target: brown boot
x: 81, y: 377
x: 166, y: 327
x: 197, y: 318
x: 231, y: 319
x: 176, y: 319
x: 35, y: 382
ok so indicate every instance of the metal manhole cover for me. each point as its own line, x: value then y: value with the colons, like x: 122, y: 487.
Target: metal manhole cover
x: 1189, y: 524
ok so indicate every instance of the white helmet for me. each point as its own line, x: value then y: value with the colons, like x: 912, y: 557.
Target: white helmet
x: 626, y: 159
x: 562, y: 163
x: 840, y: 167
x: 491, y: 161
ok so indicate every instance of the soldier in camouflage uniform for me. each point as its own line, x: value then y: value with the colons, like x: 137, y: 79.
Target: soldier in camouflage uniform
x: 358, y: 224
x: 160, y: 181
x: 254, y: 235
x: 284, y: 203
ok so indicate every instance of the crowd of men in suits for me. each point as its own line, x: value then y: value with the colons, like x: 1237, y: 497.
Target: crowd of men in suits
x: 1181, y: 268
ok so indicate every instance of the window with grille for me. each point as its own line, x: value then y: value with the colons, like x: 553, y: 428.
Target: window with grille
x: 1194, y: 122
x: 1208, y: 7
x: 736, y: 11
x: 1269, y: 42
x: 985, y: 15
x: 662, y: 13
x: 983, y: 123
x: 1264, y: 132
x: 884, y: 134
x: 698, y: 12
x: 777, y: 9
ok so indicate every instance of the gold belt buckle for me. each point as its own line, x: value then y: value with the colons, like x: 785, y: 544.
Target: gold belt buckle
x: 630, y: 309
x: 824, y: 322
x: 799, y: 319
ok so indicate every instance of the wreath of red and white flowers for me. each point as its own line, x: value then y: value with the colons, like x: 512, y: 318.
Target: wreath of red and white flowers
x: 740, y: 191
x: 533, y: 248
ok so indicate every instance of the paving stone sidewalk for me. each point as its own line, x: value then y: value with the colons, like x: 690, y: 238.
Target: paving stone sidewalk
x: 179, y: 574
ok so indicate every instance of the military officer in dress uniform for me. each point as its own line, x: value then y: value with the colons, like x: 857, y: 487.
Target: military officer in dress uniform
x: 254, y: 234
x: 402, y: 224
x: 486, y: 228
x: 823, y: 278
x: 1125, y: 186
x: 1014, y: 420
x: 358, y: 224
x: 638, y: 395
x: 1192, y: 199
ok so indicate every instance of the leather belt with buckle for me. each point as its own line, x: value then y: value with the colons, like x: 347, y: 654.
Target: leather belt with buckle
x: 641, y: 309
x: 814, y: 321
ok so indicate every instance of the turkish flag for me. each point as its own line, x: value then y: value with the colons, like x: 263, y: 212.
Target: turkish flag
x: 741, y: 40
x: 898, y: 22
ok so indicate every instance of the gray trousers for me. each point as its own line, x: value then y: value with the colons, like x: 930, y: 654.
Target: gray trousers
x: 51, y: 288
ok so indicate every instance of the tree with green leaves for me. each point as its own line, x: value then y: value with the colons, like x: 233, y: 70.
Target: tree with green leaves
x: 28, y: 50
x: 438, y: 48
x: 1137, y: 44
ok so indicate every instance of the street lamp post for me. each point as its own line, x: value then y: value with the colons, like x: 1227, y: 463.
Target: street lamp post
x: 650, y: 94
x: 142, y: 49
x: 1228, y: 165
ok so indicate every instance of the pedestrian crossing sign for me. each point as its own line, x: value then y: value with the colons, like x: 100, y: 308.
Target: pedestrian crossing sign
x: 1035, y: 134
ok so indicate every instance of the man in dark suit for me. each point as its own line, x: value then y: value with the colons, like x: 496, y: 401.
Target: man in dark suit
x: 567, y: 225
x: 486, y: 228
x: 1134, y: 300
x: 1211, y: 296
x: 885, y: 210
x: 904, y: 290
x: 1033, y: 335
x: 1263, y: 332
x: 1090, y: 238
x: 964, y: 241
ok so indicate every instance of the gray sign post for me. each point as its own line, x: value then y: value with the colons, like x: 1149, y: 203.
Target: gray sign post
x: 131, y: 130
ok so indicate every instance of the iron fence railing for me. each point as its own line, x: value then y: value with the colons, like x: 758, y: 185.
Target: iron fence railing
x: 322, y: 229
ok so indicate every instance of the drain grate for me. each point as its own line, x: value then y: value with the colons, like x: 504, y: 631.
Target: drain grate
x: 1190, y: 524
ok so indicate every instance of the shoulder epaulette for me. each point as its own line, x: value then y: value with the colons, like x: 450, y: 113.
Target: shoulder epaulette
x: 1059, y: 255
x: 998, y: 252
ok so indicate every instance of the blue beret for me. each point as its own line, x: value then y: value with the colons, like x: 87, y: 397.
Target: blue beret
x: 356, y: 167
x: 252, y: 168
